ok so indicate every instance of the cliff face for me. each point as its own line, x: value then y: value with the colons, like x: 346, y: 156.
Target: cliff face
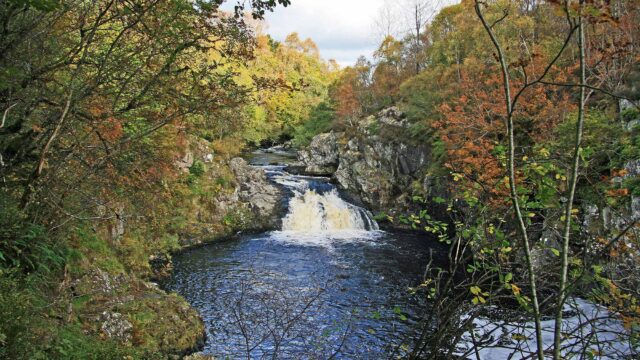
x: 219, y: 197
x: 373, y: 160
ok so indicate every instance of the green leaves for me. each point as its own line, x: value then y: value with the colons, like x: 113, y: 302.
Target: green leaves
x: 398, y: 312
x: 479, y: 296
x: 42, y: 5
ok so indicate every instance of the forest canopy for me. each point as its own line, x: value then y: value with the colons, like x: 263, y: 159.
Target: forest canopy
x: 120, y: 119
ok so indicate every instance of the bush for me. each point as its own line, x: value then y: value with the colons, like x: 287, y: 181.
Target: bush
x: 197, y: 169
x: 320, y: 121
x: 23, y: 244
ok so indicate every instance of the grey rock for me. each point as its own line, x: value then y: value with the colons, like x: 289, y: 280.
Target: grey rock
x: 633, y: 168
x: 633, y: 124
x: 185, y: 162
x: 198, y: 356
x: 392, y: 117
x: 115, y: 326
x: 262, y: 197
x: 381, y: 171
x: 97, y: 281
x: 322, y: 155
x: 373, y: 160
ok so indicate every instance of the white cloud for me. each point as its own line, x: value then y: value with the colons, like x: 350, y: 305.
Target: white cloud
x: 343, y: 29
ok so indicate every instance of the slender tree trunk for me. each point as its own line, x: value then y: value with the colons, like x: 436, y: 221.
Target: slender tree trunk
x: 43, y: 154
x: 4, y: 119
x: 562, y: 293
x: 512, y: 182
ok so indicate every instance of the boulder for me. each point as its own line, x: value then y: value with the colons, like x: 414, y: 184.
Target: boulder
x: 322, y: 155
x: 185, y: 162
x: 116, y: 326
x: 379, y: 164
x: 261, y: 196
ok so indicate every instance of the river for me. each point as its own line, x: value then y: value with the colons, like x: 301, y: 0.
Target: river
x: 329, y: 284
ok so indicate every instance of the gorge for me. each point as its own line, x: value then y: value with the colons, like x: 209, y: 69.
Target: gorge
x: 327, y: 284
x: 184, y: 179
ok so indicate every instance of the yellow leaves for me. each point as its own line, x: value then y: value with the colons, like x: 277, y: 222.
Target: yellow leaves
x: 515, y: 289
x: 544, y: 153
x: 457, y: 176
x: 479, y: 295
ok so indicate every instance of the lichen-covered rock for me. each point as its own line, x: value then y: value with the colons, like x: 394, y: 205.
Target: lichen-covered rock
x: 135, y: 312
x: 185, y: 162
x: 198, y: 356
x: 392, y: 117
x: 633, y: 168
x: 322, y: 155
x: 373, y: 160
x: 97, y: 281
x: 254, y: 189
x: 116, y: 326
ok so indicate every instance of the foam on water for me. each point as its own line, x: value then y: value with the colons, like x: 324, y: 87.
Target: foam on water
x: 316, y: 219
x: 315, y: 213
x: 327, y: 239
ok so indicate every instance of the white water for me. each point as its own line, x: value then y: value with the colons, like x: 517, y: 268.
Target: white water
x: 590, y: 328
x: 314, y: 213
x: 319, y: 218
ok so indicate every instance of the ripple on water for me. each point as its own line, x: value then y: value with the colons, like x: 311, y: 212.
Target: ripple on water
x: 328, y: 285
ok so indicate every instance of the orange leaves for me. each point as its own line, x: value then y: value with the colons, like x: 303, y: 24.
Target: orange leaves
x: 110, y: 129
x: 618, y: 192
x: 472, y: 126
x: 619, y: 172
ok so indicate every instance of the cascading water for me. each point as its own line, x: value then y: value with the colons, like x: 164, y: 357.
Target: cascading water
x: 327, y: 285
x: 317, y: 215
x: 312, y: 212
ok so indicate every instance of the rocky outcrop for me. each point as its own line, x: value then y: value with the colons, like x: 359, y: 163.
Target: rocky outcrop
x: 322, y: 155
x: 262, y: 197
x: 116, y: 326
x: 128, y: 310
x: 380, y: 172
x: 373, y: 160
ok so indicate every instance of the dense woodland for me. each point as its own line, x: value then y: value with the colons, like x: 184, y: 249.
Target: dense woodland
x: 530, y: 109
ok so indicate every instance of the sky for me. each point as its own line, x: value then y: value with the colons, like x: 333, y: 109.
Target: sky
x: 342, y: 29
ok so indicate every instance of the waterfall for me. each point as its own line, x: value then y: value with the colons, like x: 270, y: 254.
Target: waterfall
x: 313, y: 213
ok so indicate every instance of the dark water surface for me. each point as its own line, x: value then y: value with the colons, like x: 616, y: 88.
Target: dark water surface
x: 340, y: 294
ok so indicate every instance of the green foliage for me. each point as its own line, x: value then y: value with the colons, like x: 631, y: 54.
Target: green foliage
x: 197, y: 169
x: 42, y: 5
x: 90, y: 250
x: 72, y: 343
x: 26, y: 245
x: 320, y: 120
x: 296, y: 83
x: 630, y: 114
